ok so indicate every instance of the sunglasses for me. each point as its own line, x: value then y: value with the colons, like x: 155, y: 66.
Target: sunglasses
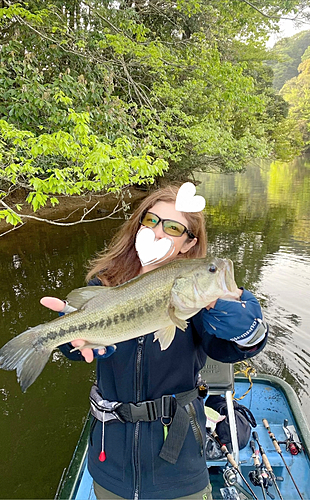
x: 171, y: 227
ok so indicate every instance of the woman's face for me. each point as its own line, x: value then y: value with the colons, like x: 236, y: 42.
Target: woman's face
x: 183, y: 243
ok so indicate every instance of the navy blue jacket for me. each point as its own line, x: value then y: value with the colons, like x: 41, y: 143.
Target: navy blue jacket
x: 140, y: 371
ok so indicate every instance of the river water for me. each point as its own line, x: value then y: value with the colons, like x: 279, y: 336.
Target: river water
x: 260, y: 219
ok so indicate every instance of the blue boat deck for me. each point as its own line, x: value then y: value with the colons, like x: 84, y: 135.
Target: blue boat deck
x: 85, y: 488
x: 268, y: 399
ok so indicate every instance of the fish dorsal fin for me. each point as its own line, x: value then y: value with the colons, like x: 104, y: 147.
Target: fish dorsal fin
x: 78, y: 297
x: 165, y: 336
x: 180, y: 323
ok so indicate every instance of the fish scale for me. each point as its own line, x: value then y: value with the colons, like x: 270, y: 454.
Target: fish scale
x: 157, y: 301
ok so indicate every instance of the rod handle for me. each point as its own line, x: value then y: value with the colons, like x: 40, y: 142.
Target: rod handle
x: 265, y: 422
x: 231, y: 460
x: 272, y: 436
x: 224, y: 450
x: 262, y: 452
x: 229, y: 456
x: 254, y: 454
x: 256, y: 459
x: 266, y: 462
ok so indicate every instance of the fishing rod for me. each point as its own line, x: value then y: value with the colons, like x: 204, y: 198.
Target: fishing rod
x: 229, y: 475
x: 232, y: 462
x: 267, y: 463
x: 256, y: 475
x: 278, y: 449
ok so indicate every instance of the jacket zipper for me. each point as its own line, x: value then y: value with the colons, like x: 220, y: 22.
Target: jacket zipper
x: 137, y: 425
x: 195, y: 425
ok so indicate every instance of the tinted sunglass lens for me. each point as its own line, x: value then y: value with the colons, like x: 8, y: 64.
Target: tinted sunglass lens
x: 150, y: 220
x: 170, y: 227
x: 173, y: 228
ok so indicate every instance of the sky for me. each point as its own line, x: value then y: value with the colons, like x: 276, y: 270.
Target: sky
x: 287, y: 28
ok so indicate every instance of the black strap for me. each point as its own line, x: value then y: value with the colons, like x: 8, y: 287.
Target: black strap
x: 179, y: 426
x: 148, y: 411
x: 170, y: 408
x: 177, y: 433
x: 165, y: 407
x: 248, y: 415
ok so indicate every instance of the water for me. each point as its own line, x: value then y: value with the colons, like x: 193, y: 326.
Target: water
x: 260, y: 219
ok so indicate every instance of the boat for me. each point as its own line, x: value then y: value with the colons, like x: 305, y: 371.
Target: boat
x: 267, y: 397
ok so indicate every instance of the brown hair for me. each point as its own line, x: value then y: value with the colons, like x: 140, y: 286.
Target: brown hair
x: 120, y: 262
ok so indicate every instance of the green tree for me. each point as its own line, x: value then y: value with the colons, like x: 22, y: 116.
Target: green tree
x: 99, y: 95
x: 287, y: 54
x: 297, y: 93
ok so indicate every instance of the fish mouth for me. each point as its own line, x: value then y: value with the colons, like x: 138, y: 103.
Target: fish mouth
x: 225, y: 286
x: 227, y: 280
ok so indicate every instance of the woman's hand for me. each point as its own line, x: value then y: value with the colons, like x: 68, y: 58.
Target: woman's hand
x: 238, y: 321
x: 53, y: 303
x: 57, y: 305
x: 62, y: 307
x: 212, y: 304
x: 87, y: 353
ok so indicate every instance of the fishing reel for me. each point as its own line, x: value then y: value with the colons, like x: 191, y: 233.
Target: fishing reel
x: 254, y: 478
x: 233, y: 490
x: 292, y: 442
x: 230, y: 476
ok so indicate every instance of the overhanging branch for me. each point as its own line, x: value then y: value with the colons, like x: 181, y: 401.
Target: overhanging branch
x: 273, y: 18
x: 57, y: 223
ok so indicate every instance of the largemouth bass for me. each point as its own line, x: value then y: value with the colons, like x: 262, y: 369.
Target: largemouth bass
x: 157, y: 301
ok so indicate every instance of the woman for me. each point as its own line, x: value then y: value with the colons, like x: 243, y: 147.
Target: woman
x: 132, y: 458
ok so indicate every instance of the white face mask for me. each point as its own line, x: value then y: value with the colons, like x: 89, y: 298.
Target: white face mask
x: 150, y: 250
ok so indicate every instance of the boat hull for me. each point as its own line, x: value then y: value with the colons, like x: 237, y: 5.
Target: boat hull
x: 270, y: 398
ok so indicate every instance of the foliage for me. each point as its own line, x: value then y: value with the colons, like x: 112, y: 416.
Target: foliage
x: 287, y: 55
x: 69, y: 163
x: 100, y: 95
x: 297, y: 93
x: 306, y: 54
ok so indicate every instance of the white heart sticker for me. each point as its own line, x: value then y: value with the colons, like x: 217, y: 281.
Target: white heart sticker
x: 187, y: 200
x: 151, y: 250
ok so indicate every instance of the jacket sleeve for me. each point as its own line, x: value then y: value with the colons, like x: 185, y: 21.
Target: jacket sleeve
x: 66, y: 348
x: 229, y: 352
x: 233, y: 330
x: 74, y: 356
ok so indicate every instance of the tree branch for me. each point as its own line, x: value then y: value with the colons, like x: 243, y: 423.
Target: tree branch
x: 266, y: 15
x: 87, y: 56
x: 55, y: 223
x: 13, y: 229
x: 117, y: 30
x: 137, y: 88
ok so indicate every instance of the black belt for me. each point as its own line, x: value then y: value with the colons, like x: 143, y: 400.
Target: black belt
x: 148, y: 411
x: 169, y: 407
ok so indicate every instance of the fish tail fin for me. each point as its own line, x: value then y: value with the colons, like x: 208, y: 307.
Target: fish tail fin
x: 25, y: 355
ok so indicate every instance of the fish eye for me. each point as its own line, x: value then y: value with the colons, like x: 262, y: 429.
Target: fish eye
x: 212, y: 268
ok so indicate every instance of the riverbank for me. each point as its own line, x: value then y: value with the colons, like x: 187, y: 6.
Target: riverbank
x: 72, y: 209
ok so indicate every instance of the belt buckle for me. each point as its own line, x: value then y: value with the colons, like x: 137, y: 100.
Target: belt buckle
x: 145, y: 411
x: 164, y: 406
x: 165, y: 417
x: 151, y: 410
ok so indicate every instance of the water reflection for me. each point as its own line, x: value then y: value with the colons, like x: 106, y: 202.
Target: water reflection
x: 286, y: 277
x: 260, y: 219
x: 45, y: 422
